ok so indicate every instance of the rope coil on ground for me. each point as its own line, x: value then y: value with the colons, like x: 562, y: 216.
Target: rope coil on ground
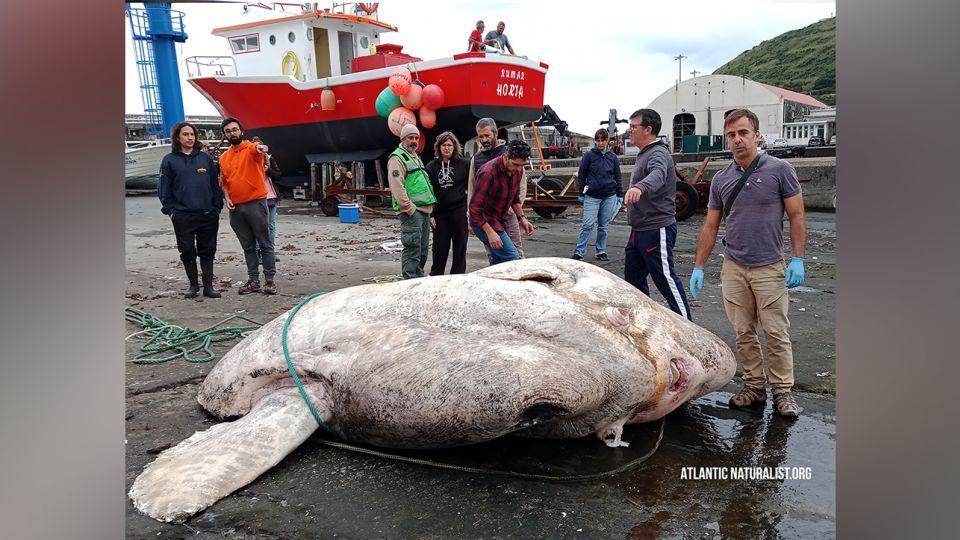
x: 161, y: 336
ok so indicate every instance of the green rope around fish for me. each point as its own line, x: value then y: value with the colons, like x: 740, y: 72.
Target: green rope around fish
x: 161, y: 337
x: 286, y: 355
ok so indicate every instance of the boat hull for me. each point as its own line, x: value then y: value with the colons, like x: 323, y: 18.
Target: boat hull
x: 286, y: 115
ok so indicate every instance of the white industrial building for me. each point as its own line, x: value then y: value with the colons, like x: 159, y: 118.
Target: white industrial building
x: 698, y: 106
x: 822, y: 122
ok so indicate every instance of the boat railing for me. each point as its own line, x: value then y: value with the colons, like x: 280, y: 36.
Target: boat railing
x: 209, y: 66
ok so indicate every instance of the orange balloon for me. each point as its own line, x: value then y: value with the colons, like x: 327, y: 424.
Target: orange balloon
x: 428, y: 117
x: 413, y: 98
x: 400, y: 81
x: 400, y: 117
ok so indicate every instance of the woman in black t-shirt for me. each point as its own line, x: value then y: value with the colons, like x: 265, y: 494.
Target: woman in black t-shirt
x: 448, y: 175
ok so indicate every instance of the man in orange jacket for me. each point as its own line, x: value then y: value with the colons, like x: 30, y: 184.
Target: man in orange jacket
x: 245, y: 191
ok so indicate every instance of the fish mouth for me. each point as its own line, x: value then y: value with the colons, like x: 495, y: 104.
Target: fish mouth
x: 679, y: 376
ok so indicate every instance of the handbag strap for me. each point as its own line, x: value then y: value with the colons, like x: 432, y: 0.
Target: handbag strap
x: 736, y: 189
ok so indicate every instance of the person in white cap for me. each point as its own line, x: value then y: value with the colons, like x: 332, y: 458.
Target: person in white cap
x: 413, y: 198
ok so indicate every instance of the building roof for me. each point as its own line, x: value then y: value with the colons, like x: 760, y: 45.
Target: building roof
x: 794, y: 96
x: 317, y: 15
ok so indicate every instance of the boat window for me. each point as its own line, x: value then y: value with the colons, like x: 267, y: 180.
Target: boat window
x: 292, y: 37
x: 364, y: 42
x: 245, y: 44
x: 273, y: 39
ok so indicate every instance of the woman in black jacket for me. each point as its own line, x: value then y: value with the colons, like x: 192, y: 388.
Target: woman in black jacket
x: 448, y: 175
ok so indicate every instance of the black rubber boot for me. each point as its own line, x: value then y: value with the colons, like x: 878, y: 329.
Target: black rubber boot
x: 190, y: 267
x: 207, y: 267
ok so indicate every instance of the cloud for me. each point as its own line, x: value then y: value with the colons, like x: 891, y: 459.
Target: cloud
x: 612, y: 56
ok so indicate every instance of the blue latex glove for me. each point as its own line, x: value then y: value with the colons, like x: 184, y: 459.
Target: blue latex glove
x: 619, y: 202
x: 795, y: 272
x: 581, y: 199
x: 696, y: 282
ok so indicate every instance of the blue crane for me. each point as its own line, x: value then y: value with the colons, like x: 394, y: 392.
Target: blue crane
x: 155, y: 29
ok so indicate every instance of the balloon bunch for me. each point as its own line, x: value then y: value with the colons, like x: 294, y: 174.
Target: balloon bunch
x: 404, y: 95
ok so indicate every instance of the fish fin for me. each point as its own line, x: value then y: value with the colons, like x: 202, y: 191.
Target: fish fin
x: 524, y: 270
x: 211, y: 464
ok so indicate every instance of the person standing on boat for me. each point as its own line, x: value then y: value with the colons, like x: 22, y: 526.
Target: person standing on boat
x: 190, y: 194
x: 601, y: 192
x: 490, y: 149
x: 243, y: 177
x: 651, y: 212
x: 475, y: 42
x: 497, y: 190
x: 498, y: 39
x: 413, y: 197
x: 448, y: 176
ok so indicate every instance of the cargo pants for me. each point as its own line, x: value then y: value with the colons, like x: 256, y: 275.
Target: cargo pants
x: 759, y: 295
x: 415, y: 237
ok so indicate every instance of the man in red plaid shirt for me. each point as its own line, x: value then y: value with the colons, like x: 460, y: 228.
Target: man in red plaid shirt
x: 496, y: 190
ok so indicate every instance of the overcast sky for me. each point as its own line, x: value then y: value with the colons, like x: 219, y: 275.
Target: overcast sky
x: 616, y: 55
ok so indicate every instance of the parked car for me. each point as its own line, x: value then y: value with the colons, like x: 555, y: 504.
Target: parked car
x: 816, y: 140
x: 833, y: 140
x: 780, y: 142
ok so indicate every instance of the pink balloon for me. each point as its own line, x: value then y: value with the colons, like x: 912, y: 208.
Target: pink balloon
x: 428, y: 118
x: 400, y: 117
x: 413, y: 98
x: 433, y: 96
x: 400, y: 81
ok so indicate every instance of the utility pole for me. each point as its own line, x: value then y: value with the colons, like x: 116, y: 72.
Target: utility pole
x: 694, y: 73
x: 679, y: 58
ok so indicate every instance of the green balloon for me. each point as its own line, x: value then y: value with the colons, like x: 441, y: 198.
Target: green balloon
x: 387, y: 101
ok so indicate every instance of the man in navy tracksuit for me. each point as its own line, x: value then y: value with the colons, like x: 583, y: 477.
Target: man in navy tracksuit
x: 191, y: 195
x: 651, y: 211
x: 601, y: 192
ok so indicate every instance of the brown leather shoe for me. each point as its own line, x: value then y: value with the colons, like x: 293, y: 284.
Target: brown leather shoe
x: 786, y: 405
x: 250, y: 286
x: 269, y: 287
x: 748, y: 397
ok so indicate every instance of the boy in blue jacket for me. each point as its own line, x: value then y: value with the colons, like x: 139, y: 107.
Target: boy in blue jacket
x: 601, y: 192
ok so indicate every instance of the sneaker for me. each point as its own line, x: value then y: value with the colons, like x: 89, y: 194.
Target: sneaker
x: 577, y: 257
x: 786, y: 405
x: 269, y: 287
x: 250, y: 286
x: 603, y: 257
x: 748, y: 396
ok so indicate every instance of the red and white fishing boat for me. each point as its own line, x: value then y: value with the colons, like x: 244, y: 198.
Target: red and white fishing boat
x: 279, y: 67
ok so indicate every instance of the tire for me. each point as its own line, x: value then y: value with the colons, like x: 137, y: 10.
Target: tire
x: 550, y: 184
x: 688, y: 201
x: 329, y: 206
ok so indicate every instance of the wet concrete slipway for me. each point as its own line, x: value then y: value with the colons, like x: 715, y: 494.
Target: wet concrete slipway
x: 324, y: 492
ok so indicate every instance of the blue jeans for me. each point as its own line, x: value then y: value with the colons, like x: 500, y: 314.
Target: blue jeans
x: 650, y: 253
x: 599, y: 213
x: 507, y: 253
x: 273, y: 225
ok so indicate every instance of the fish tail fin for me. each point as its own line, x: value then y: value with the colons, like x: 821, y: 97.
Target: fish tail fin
x: 211, y: 464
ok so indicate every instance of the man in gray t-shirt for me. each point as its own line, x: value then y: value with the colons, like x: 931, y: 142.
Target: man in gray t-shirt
x: 754, y: 277
x: 498, y: 39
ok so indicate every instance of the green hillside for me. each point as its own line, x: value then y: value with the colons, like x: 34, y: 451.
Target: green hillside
x: 803, y: 60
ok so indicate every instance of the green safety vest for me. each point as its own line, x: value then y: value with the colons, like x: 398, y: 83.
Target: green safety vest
x: 416, y: 183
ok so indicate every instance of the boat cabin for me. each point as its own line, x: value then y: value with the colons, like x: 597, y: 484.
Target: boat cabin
x: 312, y: 45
